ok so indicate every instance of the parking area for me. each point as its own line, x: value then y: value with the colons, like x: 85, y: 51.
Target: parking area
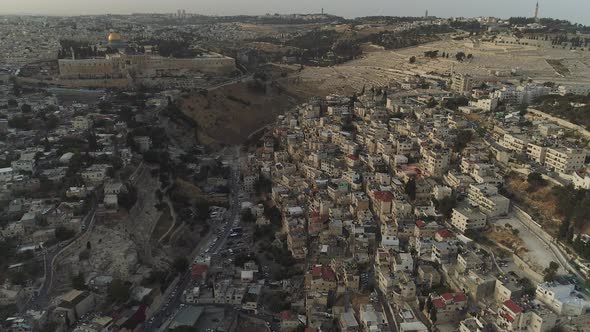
x: 538, y: 253
x: 211, y: 319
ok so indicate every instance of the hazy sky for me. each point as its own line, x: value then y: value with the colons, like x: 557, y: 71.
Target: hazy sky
x: 574, y: 10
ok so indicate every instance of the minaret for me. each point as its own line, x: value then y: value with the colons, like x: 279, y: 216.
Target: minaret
x: 537, y: 11
x: 426, y: 14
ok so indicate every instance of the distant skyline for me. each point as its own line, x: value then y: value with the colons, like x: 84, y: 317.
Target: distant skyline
x: 574, y: 10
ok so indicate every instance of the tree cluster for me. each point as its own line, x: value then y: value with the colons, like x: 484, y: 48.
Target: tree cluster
x: 574, y: 206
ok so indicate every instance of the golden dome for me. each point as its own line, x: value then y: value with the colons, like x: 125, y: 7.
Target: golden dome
x: 114, y: 37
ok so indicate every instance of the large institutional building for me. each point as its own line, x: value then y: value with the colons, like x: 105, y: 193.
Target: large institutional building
x: 125, y: 64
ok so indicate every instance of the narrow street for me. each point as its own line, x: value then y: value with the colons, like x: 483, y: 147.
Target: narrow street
x: 40, y: 299
x: 173, y: 296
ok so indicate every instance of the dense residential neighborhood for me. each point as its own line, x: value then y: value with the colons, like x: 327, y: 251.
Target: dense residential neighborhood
x: 297, y: 172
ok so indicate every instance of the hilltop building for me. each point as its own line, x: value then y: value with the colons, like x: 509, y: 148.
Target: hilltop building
x: 125, y: 63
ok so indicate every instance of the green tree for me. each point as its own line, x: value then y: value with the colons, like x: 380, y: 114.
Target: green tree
x: 535, y: 179
x: 63, y: 234
x: 127, y: 198
x: 184, y: 329
x: 19, y: 278
x: 180, y: 264
x: 445, y: 206
x: 551, y: 271
x: 26, y: 108
x: 262, y: 185
x: 410, y: 189
x: 412, y: 59
x: 78, y: 281
x: 247, y: 216
x: 19, y: 122
x: 51, y: 122
x: 433, y: 314
x: 462, y: 139
x: 119, y: 291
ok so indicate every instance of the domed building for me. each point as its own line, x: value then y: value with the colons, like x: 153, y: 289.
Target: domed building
x: 115, y: 41
x: 119, y: 66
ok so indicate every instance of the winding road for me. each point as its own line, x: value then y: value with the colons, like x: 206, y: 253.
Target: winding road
x: 173, y: 296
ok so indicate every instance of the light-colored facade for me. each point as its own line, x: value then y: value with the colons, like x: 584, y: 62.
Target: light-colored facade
x: 465, y: 218
x: 523, y: 94
x: 536, y: 153
x: 471, y: 324
x: 565, y: 160
x: 581, y: 180
x: 462, y: 83
x: 95, y: 173
x: 516, y: 143
x: 488, y: 200
x: 436, y: 162
x: 142, y: 65
x: 6, y: 174
x: 582, y: 90
x: 485, y: 104
x: 371, y: 319
x: 562, y: 299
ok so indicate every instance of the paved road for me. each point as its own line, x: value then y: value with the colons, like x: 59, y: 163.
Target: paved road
x: 392, y: 326
x: 173, y: 297
x: 230, y: 82
x: 40, y: 300
x: 552, y: 246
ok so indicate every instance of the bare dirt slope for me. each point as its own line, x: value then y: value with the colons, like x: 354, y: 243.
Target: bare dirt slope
x: 228, y: 115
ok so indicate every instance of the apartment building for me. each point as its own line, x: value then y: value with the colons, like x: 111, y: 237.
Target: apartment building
x: 371, y: 319
x: 322, y: 279
x: 582, y: 90
x: 485, y: 104
x: 462, y: 83
x: 534, y: 317
x: 515, y: 142
x: 536, y: 152
x: 523, y: 94
x: 466, y: 218
x: 448, y: 306
x: 581, y: 180
x: 471, y: 324
x: 565, y: 160
x: 436, y: 162
x: 562, y: 299
x: 486, y: 198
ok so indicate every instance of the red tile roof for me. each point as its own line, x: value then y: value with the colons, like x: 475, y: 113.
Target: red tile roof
x: 420, y: 223
x: 445, y: 233
x: 352, y: 157
x: 512, y: 306
x: 197, y: 270
x: 508, y: 317
x: 459, y: 297
x: 316, y: 271
x: 385, y: 196
x: 286, y: 315
x: 448, y: 298
x: 324, y: 272
x: 439, y: 303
